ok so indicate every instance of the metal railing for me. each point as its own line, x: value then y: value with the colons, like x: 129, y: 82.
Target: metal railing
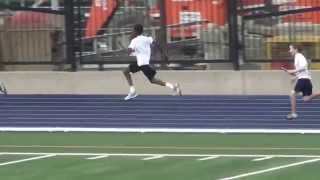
x: 195, y: 32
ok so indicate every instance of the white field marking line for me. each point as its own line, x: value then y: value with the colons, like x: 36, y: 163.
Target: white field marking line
x: 264, y: 158
x: 271, y: 169
x: 153, y: 157
x: 97, y: 157
x: 207, y: 158
x: 28, y: 159
x: 166, y: 130
x: 162, y: 147
x: 169, y: 155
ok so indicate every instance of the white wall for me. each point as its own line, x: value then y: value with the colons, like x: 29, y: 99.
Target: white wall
x: 113, y: 82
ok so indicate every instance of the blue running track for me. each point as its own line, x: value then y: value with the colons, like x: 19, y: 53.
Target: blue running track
x: 197, y: 112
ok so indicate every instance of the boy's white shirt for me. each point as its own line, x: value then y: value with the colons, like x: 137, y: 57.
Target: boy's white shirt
x: 141, y: 46
x: 301, y: 64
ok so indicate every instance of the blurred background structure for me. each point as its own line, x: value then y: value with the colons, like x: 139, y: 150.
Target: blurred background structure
x: 196, y: 34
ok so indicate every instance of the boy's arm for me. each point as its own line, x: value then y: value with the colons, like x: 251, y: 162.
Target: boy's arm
x: 292, y: 72
x: 130, y: 51
x: 131, y: 47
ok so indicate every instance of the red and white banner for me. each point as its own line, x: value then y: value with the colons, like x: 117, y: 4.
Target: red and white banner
x: 101, y: 11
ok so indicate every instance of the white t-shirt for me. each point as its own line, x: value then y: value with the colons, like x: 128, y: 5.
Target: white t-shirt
x: 142, y: 50
x: 301, y: 63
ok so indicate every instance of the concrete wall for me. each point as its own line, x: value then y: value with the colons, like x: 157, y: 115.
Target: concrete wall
x: 113, y: 82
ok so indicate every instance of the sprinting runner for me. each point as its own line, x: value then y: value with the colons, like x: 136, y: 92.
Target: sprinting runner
x: 140, y: 46
x: 303, y: 84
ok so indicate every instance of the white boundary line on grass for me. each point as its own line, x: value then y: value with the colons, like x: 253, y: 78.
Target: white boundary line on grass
x: 97, y: 157
x: 264, y: 158
x: 153, y: 157
x: 166, y: 130
x: 156, y: 156
x: 28, y: 159
x: 159, y: 147
x: 271, y: 169
x: 207, y: 158
x: 163, y: 155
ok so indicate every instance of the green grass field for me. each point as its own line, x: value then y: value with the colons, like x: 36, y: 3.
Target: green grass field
x: 158, y: 156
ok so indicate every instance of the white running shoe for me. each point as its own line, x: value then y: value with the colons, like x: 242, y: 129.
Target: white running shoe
x: 177, y: 90
x: 131, y: 95
x: 292, y: 116
x: 3, y: 89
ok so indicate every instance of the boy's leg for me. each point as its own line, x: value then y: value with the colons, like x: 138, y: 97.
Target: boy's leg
x: 293, y: 104
x: 158, y: 82
x: 131, y: 69
x: 127, y: 74
x: 309, y: 98
x: 174, y: 87
x: 3, y: 88
x: 150, y: 73
x: 301, y: 86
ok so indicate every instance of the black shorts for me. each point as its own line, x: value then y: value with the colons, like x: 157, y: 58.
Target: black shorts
x: 147, y: 70
x: 304, y: 86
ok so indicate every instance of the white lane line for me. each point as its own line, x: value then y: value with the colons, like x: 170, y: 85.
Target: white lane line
x: 270, y: 169
x: 97, y: 157
x: 28, y: 159
x: 207, y: 158
x: 263, y: 158
x: 153, y: 157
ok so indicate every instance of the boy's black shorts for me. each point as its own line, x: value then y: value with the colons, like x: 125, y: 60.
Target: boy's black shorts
x: 304, y: 86
x: 147, y: 70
